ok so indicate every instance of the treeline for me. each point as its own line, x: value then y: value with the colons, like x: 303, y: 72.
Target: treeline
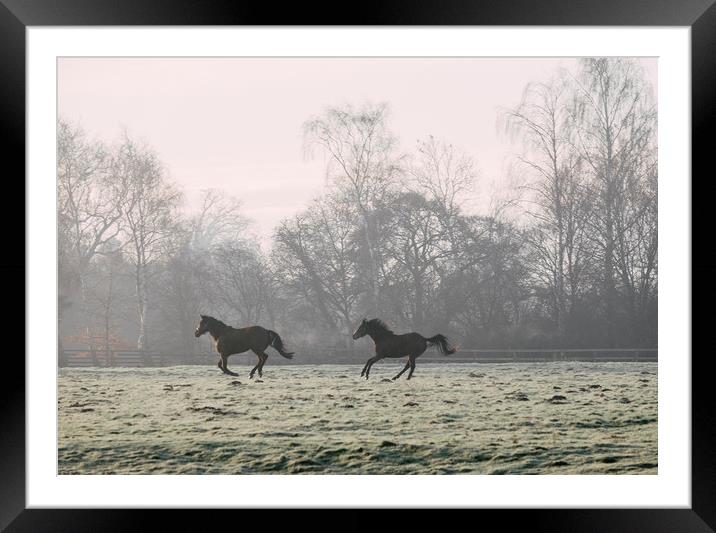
x: 568, y: 259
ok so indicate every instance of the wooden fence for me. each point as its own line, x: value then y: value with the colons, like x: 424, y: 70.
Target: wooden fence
x: 124, y: 358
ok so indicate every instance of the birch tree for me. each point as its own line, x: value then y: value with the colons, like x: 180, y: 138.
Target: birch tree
x: 149, y: 218
x: 554, y: 196
x: 615, y: 120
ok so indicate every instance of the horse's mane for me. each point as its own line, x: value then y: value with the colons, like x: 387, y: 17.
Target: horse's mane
x: 214, y: 321
x: 378, y: 324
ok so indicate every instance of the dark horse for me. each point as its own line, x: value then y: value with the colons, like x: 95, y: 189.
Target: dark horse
x: 388, y: 344
x: 230, y: 341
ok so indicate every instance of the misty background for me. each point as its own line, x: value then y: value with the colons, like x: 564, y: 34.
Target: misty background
x: 523, y: 216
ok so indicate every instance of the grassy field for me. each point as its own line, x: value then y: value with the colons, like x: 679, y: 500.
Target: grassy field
x: 528, y: 418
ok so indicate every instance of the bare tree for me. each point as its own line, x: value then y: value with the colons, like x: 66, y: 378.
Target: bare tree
x: 555, y: 192
x: 219, y: 219
x: 418, y: 242
x: 241, y: 283
x: 316, y: 254
x: 175, y: 290
x: 364, y: 166
x: 445, y: 173
x: 615, y: 121
x: 108, y: 295
x: 190, y: 281
x: 149, y: 217
x: 90, y: 205
x: 489, y: 294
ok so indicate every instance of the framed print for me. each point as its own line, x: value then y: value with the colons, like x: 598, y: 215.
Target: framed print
x: 407, y: 264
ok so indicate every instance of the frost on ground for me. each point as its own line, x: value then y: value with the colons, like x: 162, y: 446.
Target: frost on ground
x: 527, y: 418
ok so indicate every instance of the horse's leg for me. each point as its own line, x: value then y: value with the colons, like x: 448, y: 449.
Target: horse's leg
x: 372, y: 361
x: 222, y: 366
x: 362, y: 372
x: 411, y: 362
x: 258, y: 363
x: 263, y: 356
x: 407, y: 365
x: 368, y: 364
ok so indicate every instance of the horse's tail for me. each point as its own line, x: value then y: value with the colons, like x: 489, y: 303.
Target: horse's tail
x: 442, y: 343
x: 277, y: 344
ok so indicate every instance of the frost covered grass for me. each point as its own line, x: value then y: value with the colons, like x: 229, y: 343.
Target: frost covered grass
x: 526, y: 418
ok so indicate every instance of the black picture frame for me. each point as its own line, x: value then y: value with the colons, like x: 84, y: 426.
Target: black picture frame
x: 17, y: 15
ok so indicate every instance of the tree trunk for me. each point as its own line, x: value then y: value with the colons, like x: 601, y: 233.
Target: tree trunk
x: 419, y: 313
x: 372, y: 281
x: 142, y: 306
x: 609, y: 287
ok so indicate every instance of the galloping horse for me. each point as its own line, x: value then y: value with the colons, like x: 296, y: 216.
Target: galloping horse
x: 388, y: 344
x: 230, y: 341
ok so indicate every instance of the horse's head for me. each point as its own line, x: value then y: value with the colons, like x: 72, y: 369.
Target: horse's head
x: 202, y: 327
x: 362, y: 330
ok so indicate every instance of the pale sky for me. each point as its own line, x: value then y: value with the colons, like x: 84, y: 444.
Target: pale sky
x: 235, y: 123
